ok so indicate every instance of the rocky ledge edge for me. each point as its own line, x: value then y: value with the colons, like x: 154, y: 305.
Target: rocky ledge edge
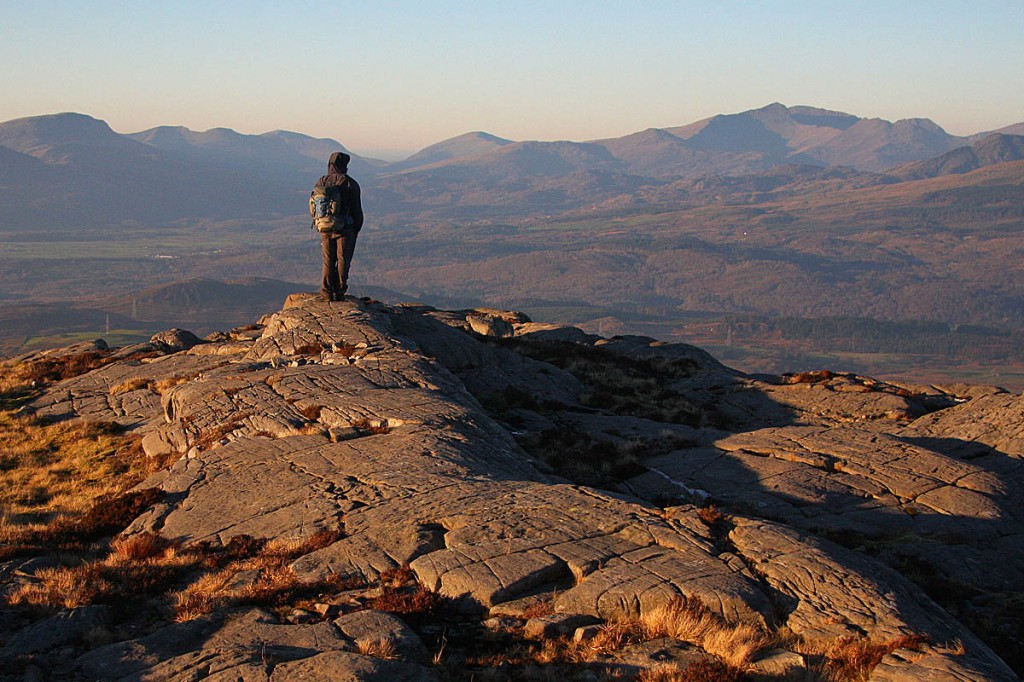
x: 365, y: 420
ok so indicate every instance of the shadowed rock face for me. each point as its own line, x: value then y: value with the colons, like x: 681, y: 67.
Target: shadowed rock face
x: 370, y: 419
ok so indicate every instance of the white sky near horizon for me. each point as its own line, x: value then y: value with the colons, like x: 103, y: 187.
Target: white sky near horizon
x: 389, y: 77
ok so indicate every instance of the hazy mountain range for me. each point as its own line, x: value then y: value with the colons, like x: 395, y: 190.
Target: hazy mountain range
x: 71, y: 170
x: 770, y: 236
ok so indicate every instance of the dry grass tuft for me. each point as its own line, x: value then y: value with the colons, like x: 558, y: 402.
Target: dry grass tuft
x: 110, y: 514
x: 291, y: 549
x: 192, y: 604
x: 383, y: 648
x: 611, y: 637
x: 954, y: 648
x: 56, y: 468
x: 61, y: 587
x: 141, y: 547
x: 688, y: 620
x: 131, y: 570
x: 851, y: 659
x: 128, y: 385
x: 163, y: 385
x: 344, y: 349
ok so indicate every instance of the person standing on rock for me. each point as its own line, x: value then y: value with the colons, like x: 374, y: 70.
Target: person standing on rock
x: 337, y: 213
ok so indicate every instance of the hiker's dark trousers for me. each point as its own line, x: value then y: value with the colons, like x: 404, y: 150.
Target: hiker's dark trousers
x: 337, y: 248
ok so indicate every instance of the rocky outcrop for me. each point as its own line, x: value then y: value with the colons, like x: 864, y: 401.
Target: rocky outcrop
x: 411, y: 434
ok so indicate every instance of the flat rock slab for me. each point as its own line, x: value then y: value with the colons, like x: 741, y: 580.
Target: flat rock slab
x: 426, y: 477
x: 251, y: 642
x: 817, y: 578
x: 957, y: 512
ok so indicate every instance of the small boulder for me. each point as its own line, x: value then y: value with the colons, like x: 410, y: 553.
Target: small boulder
x: 491, y: 326
x: 779, y: 665
x: 366, y: 627
x: 557, y: 625
x: 513, y: 316
x: 586, y: 633
x: 501, y: 624
x: 175, y: 339
x: 64, y: 628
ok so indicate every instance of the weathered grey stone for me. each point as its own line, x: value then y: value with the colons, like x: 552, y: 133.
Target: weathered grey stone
x: 779, y: 665
x: 501, y: 624
x: 302, y: 616
x: 663, y: 653
x: 157, y: 444
x: 490, y: 326
x: 543, y: 331
x: 586, y: 633
x: 557, y: 625
x: 175, y: 339
x: 986, y: 425
x: 66, y: 627
x: 367, y: 627
x: 197, y: 649
x: 859, y: 595
x: 348, y: 667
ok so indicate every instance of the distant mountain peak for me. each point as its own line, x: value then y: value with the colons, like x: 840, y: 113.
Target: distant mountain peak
x: 481, y: 135
x: 461, y: 146
x: 25, y: 134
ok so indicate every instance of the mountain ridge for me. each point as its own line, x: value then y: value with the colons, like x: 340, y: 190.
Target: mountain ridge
x: 988, y: 151
x: 105, y: 174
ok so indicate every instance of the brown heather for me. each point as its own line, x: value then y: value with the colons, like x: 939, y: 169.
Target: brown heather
x: 541, y: 608
x: 54, y: 470
x: 397, y: 577
x: 710, y: 515
x: 275, y: 585
x: 128, y: 385
x: 309, y: 349
x: 311, y: 412
x: 147, y: 565
x: 704, y: 670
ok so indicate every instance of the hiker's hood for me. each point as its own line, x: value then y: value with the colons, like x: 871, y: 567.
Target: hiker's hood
x: 338, y: 163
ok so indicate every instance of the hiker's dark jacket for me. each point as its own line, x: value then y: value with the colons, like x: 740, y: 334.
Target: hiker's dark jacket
x: 337, y: 176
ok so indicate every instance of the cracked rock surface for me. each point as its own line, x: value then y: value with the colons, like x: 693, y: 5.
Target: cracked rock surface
x: 370, y: 420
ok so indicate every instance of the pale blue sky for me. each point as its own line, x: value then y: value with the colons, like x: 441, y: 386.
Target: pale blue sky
x: 401, y: 75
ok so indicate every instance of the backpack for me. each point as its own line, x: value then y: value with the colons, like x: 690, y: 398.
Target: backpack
x: 328, y: 209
